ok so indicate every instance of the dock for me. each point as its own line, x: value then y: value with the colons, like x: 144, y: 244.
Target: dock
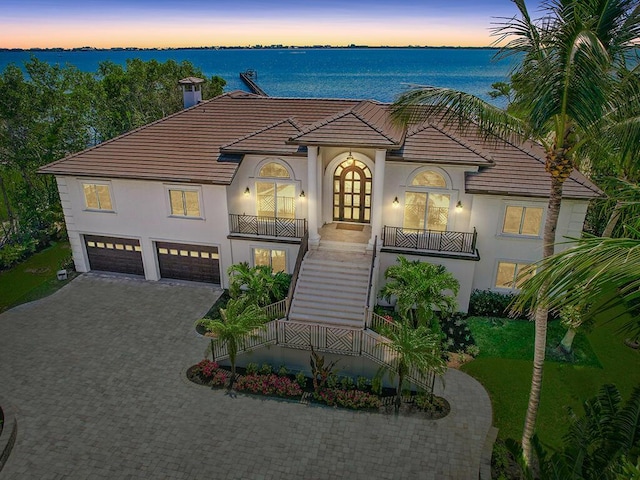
x: 249, y: 78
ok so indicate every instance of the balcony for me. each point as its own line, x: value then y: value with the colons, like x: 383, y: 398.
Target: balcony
x: 430, y: 242
x: 258, y: 226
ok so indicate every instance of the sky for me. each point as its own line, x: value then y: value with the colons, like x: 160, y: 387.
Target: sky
x: 180, y: 23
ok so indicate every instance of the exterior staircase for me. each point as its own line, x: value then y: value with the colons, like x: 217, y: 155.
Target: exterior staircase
x: 332, y: 286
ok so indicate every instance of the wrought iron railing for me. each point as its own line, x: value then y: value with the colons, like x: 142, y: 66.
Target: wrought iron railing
x: 304, y: 247
x: 434, y: 240
x: 268, y: 226
x: 323, y: 338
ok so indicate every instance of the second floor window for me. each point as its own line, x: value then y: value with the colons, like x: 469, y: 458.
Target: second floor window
x: 275, y: 193
x: 520, y: 220
x: 424, y: 207
x: 97, y: 196
x: 184, y: 203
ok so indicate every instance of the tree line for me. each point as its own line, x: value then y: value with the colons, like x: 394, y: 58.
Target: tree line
x: 50, y: 111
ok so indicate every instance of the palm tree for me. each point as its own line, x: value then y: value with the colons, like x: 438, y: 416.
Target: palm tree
x: 421, y: 289
x: 565, y: 79
x: 415, y: 349
x: 239, y: 320
x: 258, y: 283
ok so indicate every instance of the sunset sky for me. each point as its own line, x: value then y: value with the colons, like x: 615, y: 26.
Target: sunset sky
x: 176, y: 23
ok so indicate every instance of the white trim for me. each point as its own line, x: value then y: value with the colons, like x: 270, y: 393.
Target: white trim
x: 525, y: 204
x: 279, y: 161
x: 430, y: 168
x: 494, y: 278
x: 184, y: 188
x: 87, y: 181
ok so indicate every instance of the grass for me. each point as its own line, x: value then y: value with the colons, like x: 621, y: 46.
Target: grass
x: 505, y: 371
x: 34, y: 278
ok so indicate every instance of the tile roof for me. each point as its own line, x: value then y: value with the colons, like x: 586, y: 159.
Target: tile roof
x: 205, y: 144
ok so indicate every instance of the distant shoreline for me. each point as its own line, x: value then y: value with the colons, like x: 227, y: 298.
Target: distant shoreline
x: 237, y: 47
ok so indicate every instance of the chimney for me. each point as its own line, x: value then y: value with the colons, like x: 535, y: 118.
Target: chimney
x: 191, y: 90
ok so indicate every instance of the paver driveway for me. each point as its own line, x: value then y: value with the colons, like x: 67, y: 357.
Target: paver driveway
x: 96, y: 374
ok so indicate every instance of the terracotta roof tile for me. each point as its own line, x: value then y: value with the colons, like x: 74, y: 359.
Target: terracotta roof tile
x: 205, y: 144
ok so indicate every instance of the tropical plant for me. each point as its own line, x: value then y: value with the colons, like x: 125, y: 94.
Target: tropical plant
x: 239, y: 320
x: 320, y: 372
x: 566, y: 78
x: 574, y: 318
x: 259, y: 284
x: 415, y: 349
x: 421, y: 289
x: 601, y: 444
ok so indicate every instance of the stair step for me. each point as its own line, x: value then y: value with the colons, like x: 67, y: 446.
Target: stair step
x: 333, y: 321
x: 325, y: 263
x: 325, y: 305
x: 323, y: 272
x: 331, y: 290
x: 329, y: 245
x: 325, y: 296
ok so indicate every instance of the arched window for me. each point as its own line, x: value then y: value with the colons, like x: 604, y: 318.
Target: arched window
x: 427, y: 203
x: 275, y: 192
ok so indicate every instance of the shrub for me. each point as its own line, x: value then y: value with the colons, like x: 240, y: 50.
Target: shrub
x: 251, y: 369
x: 301, y: 379
x: 332, y: 381
x: 362, y: 383
x: 431, y: 403
x: 220, y: 378
x: 347, y: 383
x: 473, y: 350
x: 485, y: 303
x: 270, y: 384
x: 283, y: 371
x: 266, y: 369
x: 376, y: 384
x: 355, y: 399
x: 206, y: 369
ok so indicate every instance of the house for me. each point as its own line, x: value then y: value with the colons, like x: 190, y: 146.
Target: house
x: 249, y: 178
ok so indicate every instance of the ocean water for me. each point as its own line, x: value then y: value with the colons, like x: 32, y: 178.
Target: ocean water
x: 360, y: 73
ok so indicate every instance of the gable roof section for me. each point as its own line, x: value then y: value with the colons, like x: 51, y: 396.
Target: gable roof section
x: 367, y: 124
x: 435, y: 144
x: 519, y: 171
x: 267, y: 140
x: 185, y: 147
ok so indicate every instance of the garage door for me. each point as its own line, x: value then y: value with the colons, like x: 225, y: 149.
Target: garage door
x: 197, y: 263
x: 113, y: 254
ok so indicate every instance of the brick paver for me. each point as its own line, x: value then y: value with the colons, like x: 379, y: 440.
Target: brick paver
x: 96, y: 374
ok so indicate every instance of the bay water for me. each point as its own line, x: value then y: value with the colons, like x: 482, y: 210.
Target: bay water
x: 360, y: 73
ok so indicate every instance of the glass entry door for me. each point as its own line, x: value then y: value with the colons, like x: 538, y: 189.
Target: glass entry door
x: 352, y: 192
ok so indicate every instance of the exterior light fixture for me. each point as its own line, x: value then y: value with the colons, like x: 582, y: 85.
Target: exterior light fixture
x: 247, y: 192
x: 350, y: 158
x: 396, y: 202
x: 459, y: 206
x: 302, y: 195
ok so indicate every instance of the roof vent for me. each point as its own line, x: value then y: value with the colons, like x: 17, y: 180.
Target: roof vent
x: 191, y: 90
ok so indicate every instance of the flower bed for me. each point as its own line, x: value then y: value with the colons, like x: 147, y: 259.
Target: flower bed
x: 337, y: 393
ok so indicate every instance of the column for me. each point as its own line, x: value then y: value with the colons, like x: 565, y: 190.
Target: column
x: 378, y: 197
x: 312, y: 196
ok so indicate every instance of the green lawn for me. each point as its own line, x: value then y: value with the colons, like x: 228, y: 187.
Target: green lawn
x: 34, y: 278
x: 504, y: 368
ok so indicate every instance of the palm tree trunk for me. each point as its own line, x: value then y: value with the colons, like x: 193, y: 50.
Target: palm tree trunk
x: 541, y: 315
x: 567, y: 340
x: 399, y: 390
x: 613, y: 220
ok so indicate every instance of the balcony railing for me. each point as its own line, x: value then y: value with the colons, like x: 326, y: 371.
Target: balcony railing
x: 267, y: 226
x: 430, y: 240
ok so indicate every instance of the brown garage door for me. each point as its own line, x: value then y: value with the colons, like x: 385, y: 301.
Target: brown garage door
x: 113, y: 254
x: 197, y: 263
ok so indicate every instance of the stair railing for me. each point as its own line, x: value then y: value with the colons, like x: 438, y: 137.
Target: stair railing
x: 304, y: 248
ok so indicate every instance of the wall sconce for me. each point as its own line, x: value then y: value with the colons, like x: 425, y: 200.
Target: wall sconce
x: 247, y: 192
x: 350, y: 158
x: 396, y: 202
x: 459, y: 206
x: 302, y: 195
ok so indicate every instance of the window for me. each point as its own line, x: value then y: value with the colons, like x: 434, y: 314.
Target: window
x: 511, y: 275
x: 275, y: 198
x: 185, y: 203
x: 97, y: 196
x: 425, y: 209
x: 276, y: 259
x: 520, y: 220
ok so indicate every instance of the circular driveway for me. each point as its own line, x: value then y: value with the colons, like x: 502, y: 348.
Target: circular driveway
x: 95, y: 373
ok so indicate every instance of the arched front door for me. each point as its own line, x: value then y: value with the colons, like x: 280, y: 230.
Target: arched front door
x: 352, y: 192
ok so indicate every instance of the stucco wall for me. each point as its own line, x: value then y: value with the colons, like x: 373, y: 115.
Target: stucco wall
x: 142, y: 211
